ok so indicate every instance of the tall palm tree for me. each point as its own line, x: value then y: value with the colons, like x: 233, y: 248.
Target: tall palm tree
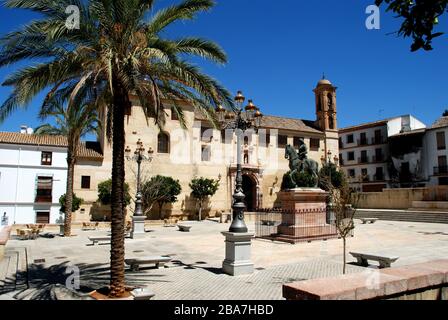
x: 72, y: 122
x: 118, y: 50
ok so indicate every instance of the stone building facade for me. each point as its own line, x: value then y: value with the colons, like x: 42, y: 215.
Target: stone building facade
x: 199, y: 150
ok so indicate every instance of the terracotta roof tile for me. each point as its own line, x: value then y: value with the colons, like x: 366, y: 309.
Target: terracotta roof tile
x: 87, y: 149
x: 441, y: 122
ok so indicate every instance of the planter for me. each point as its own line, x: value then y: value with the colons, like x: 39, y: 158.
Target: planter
x: 130, y: 294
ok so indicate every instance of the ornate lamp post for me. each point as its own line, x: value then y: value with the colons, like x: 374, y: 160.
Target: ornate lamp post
x: 240, y: 122
x: 238, y: 239
x: 139, y: 156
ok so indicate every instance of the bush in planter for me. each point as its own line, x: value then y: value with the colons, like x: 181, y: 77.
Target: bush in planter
x: 76, y: 204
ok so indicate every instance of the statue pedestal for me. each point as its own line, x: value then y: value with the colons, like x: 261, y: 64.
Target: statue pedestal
x: 237, y: 261
x: 305, y: 216
x: 138, y: 227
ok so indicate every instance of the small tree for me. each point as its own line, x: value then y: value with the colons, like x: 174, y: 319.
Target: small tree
x: 201, y: 189
x: 105, y: 193
x: 342, y: 204
x: 167, y: 191
x: 445, y: 113
x: 152, y: 191
x: 76, y: 203
x: 330, y: 171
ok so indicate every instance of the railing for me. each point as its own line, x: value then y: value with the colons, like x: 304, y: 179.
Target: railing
x: 363, y: 160
x: 363, y: 142
x: 378, y: 177
x: 364, y: 178
x: 43, y: 198
x: 293, y: 226
x: 378, y: 140
x: 441, y: 170
x: 378, y: 158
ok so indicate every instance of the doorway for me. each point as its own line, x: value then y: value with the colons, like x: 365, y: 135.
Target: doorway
x: 250, y: 191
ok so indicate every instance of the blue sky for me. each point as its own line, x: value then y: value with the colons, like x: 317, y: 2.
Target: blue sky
x: 278, y: 51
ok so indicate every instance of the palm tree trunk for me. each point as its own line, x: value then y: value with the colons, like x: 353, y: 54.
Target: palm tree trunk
x: 200, y: 209
x: 344, y: 259
x: 69, y: 194
x: 117, y: 252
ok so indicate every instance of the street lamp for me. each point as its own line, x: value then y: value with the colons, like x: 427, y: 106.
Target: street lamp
x: 240, y: 121
x: 139, y: 156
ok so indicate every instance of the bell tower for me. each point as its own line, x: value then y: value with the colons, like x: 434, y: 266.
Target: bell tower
x: 325, y: 94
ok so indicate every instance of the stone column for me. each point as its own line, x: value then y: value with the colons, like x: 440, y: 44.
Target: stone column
x: 138, y: 227
x: 238, y: 252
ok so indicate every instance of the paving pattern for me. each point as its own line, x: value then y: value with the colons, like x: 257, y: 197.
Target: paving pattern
x: 195, y: 271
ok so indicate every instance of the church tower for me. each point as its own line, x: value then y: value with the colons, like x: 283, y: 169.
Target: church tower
x: 326, y: 119
x: 325, y: 94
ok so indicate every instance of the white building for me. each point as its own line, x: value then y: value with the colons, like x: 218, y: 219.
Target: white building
x: 369, y: 162
x: 435, y: 144
x: 33, y: 173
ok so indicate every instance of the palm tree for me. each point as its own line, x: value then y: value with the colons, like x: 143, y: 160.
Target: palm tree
x: 117, y: 51
x: 72, y: 122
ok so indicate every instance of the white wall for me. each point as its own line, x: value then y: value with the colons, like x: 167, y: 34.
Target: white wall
x: 432, y: 154
x: 20, y: 166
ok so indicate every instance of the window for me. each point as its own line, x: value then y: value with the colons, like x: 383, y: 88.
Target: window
x: 223, y: 136
x: 442, y: 164
x: 44, y: 189
x: 206, y: 134
x: 364, y: 158
x: 174, y: 115
x: 441, y: 145
x: 282, y: 141
x: 85, y: 182
x: 364, y: 175
x: 163, y: 143
x: 206, y: 153
x: 363, y: 139
x: 43, y: 217
x: 314, y: 143
x: 379, y: 174
x: 350, y: 138
x: 297, y: 142
x: 351, y: 173
x: 378, y: 137
x: 46, y: 158
x: 378, y: 154
x: 351, y: 156
x: 247, y: 140
x: 341, y: 145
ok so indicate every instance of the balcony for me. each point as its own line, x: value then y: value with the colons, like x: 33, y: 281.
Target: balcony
x: 378, y: 158
x: 363, y: 142
x: 378, y: 177
x: 365, y: 178
x: 440, y: 170
x: 43, y: 198
x: 378, y: 140
x: 363, y: 160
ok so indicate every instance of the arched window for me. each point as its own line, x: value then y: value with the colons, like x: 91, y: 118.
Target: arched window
x: 163, y: 143
x: 330, y: 101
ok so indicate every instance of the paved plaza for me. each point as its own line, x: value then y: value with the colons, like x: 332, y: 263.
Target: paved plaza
x: 195, y: 271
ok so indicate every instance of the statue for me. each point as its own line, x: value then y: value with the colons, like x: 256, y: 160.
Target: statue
x: 300, y: 165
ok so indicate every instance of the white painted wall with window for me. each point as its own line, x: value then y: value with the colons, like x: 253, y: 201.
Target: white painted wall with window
x: 20, y: 167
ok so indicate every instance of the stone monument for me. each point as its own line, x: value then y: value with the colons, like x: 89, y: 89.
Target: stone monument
x: 303, y: 203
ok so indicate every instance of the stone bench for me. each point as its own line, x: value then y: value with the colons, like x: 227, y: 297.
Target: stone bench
x: 184, y: 228
x: 137, y: 262
x: 384, y: 261
x: 370, y: 220
x: 96, y: 240
x: 422, y: 281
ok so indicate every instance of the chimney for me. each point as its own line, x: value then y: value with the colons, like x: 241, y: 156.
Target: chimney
x: 23, y: 129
